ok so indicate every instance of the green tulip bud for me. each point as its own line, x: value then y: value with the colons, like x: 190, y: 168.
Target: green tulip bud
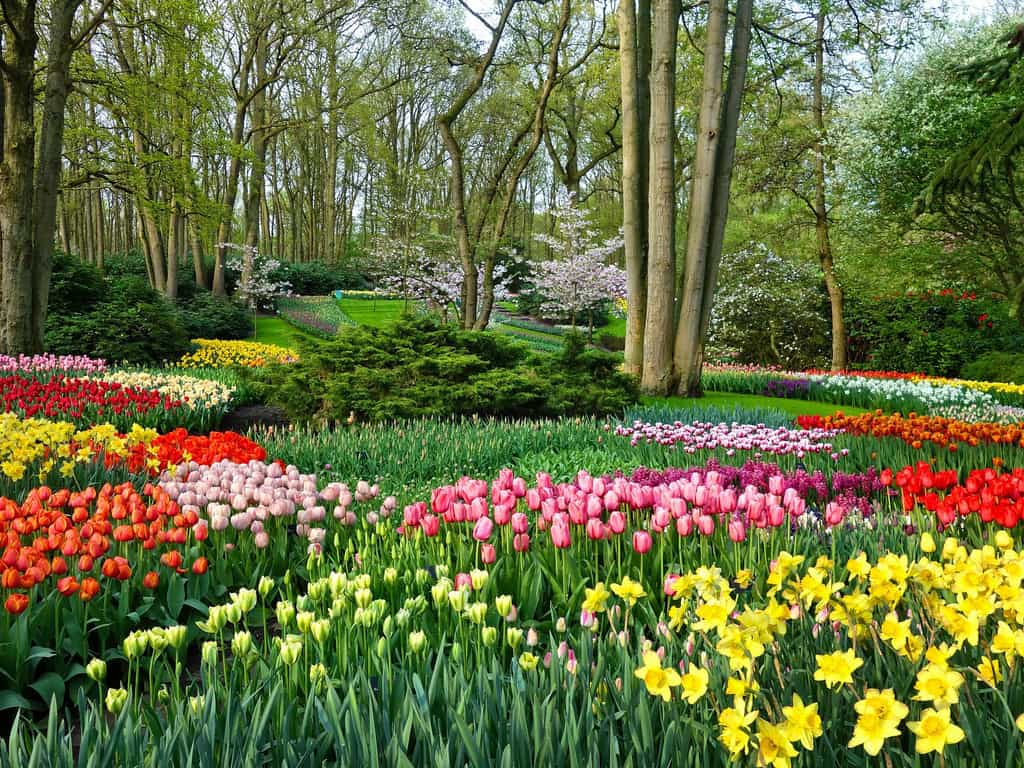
x: 96, y: 670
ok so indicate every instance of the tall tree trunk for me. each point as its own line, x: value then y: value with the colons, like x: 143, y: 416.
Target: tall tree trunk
x: 174, y: 244
x: 702, y: 188
x: 196, y: 246
x: 51, y: 143
x: 821, y: 223
x: 257, y: 168
x: 709, y: 198
x: 661, y: 268
x: 634, y: 172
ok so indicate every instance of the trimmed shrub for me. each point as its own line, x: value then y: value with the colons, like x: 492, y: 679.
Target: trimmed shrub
x: 996, y: 366
x: 937, y: 334
x: 418, y: 367
x: 121, y: 320
x: 206, y: 316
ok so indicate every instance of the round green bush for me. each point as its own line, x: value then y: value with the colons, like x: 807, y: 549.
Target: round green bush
x: 206, y: 316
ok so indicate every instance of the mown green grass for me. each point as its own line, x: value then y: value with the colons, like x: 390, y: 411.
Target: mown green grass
x: 274, y: 330
x: 375, y: 312
x: 616, y: 327
x: 729, y: 400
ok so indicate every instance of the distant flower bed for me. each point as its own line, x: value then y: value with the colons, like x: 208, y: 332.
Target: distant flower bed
x: 319, y: 315
x: 215, y: 353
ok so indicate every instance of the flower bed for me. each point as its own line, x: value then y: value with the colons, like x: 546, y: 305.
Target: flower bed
x: 214, y: 353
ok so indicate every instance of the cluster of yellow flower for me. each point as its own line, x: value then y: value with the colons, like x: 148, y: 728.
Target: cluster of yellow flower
x: 982, y: 386
x: 216, y: 353
x: 197, y: 393
x: 964, y: 617
x: 43, y: 445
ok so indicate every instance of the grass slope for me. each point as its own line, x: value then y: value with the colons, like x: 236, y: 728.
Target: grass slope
x: 374, y: 312
x: 274, y: 330
x: 729, y: 400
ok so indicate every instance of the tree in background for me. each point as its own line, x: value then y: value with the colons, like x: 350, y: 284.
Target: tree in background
x: 579, y: 280
x: 906, y: 157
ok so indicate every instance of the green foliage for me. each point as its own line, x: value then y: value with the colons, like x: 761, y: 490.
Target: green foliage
x: 314, y: 278
x: 206, y: 316
x: 933, y: 334
x: 900, y: 144
x: 74, y: 284
x: 418, y: 367
x: 781, y: 318
x: 996, y: 366
x: 122, y: 320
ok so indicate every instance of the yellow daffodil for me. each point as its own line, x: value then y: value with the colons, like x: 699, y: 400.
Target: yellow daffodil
x: 934, y: 731
x: 837, y: 668
x: 629, y: 590
x: 803, y: 723
x: 659, y: 681
x: 694, y: 685
x: 596, y: 598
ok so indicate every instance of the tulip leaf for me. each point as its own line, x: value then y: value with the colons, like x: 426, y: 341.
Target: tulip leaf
x: 198, y: 606
x: 175, y: 597
x: 13, y: 700
x: 40, y: 652
x: 49, y: 686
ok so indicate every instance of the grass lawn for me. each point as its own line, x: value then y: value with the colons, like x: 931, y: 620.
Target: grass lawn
x: 728, y: 400
x: 274, y: 330
x: 374, y: 312
x: 615, y: 327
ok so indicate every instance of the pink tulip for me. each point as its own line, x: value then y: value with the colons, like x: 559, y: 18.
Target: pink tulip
x: 521, y: 542
x: 727, y: 501
x: 587, y: 619
x: 595, y: 529
x: 776, y: 515
x: 503, y: 513
x: 661, y: 519
x: 482, y: 529
x: 833, y: 514
x: 775, y: 484
x: 560, y: 535
x: 533, y: 499
x: 477, y: 509
x: 441, y: 499
x: 642, y: 542
x: 668, y: 587
x: 706, y: 525
x: 595, y: 508
x: 584, y: 481
x: 463, y: 581
x: 611, y: 501
x: 487, y: 553
x: 519, y: 487
x: 684, y: 525
x: 617, y: 522
x: 431, y: 525
x: 520, y: 523
x: 261, y: 540
x: 412, y: 516
x: 737, y: 531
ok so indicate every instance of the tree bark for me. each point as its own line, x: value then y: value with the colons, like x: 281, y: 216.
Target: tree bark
x: 821, y: 222
x: 634, y: 193
x: 660, y: 321
x: 702, y: 189
x: 690, y: 347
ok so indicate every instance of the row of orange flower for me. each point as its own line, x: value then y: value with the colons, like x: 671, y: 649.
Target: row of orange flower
x: 916, y: 429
